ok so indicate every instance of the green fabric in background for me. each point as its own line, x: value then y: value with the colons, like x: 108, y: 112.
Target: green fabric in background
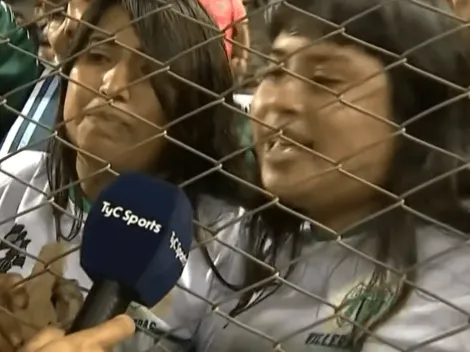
x: 16, y: 67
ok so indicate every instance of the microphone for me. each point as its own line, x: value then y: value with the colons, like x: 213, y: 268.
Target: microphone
x: 135, y: 245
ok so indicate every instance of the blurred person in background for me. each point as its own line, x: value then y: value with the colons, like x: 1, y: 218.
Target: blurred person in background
x: 17, y: 70
x: 96, y: 116
x: 49, y: 16
x: 57, y: 21
x: 63, y: 18
x: 230, y: 16
x: 397, y: 277
x: 461, y: 8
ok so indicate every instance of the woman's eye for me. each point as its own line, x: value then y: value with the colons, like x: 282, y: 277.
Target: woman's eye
x: 273, y: 70
x: 326, y: 81
x: 97, y: 57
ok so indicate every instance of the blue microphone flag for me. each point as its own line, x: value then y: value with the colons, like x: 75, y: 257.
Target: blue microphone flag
x: 138, y: 233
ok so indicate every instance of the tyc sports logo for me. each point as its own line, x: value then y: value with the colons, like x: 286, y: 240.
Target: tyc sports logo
x: 129, y: 217
x: 132, y: 219
x: 175, y: 245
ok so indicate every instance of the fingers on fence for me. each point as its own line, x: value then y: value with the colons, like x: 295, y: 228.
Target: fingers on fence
x: 13, y: 293
x: 107, y: 334
x: 11, y: 336
x: 46, y: 337
x: 13, y: 298
x: 41, y: 311
x: 68, y: 299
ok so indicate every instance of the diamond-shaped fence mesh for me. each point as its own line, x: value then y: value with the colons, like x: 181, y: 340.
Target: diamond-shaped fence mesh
x: 328, y: 174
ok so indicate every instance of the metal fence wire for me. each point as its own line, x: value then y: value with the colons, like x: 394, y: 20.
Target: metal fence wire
x: 448, y: 148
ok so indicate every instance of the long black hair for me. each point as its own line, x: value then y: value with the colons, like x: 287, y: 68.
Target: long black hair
x: 196, y: 91
x: 426, y: 98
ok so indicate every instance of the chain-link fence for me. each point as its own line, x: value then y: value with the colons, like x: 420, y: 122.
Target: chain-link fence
x: 358, y: 128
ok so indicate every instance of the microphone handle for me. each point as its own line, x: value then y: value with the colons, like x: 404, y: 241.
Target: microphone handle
x: 106, y: 300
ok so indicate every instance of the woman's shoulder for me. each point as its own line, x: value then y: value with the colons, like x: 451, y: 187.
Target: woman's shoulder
x: 440, y: 297
x: 182, y: 310
x: 220, y: 220
x: 21, y: 170
x: 219, y: 235
x: 443, y: 254
x: 21, y: 167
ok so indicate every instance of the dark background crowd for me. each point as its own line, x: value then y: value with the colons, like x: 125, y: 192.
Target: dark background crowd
x: 29, y: 11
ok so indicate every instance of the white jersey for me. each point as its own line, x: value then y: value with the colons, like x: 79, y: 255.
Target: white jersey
x: 298, y: 317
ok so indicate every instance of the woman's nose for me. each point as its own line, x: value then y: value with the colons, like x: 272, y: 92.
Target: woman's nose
x: 116, y: 83
x: 281, y: 98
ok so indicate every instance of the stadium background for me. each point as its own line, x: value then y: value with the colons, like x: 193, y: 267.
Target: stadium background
x: 259, y: 41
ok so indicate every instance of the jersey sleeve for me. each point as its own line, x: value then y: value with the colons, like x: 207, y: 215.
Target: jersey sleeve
x: 18, y: 167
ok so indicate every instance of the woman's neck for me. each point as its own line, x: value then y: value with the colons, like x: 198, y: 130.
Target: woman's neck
x: 93, y: 176
x: 341, y: 218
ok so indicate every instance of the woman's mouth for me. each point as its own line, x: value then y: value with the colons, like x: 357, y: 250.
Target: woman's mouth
x: 282, y: 150
x: 283, y: 144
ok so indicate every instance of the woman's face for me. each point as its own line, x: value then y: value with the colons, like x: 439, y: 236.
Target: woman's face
x: 120, y: 125
x: 353, y: 131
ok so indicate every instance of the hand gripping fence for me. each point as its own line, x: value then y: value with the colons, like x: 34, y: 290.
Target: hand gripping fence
x: 258, y: 14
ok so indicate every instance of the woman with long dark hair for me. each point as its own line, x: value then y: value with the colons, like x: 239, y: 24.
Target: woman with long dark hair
x: 122, y: 109
x: 359, y: 241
